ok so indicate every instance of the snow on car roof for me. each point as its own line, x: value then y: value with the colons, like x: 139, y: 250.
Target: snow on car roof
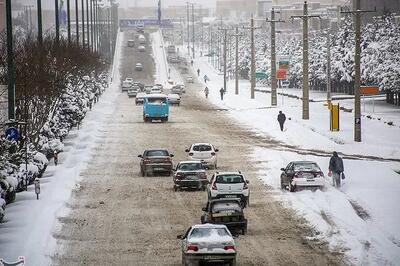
x: 157, y: 95
x: 200, y: 143
x: 189, y: 162
x: 209, y: 226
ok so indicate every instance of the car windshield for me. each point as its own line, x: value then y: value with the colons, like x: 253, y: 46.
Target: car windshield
x: 306, y: 166
x: 156, y: 153
x: 190, y: 166
x: 157, y: 100
x: 202, y: 148
x: 229, y: 179
x: 225, y: 206
x: 199, y: 233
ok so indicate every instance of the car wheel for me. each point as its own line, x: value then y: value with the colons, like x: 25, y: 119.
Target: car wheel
x: 175, y: 188
x: 232, y: 262
x: 248, y: 201
x: 145, y: 172
x: 292, y: 188
x: 283, y: 186
x: 244, y: 230
x: 203, y: 188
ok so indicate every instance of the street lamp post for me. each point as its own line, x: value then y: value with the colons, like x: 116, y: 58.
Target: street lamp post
x: 57, y: 22
x: 10, y: 63
x: 39, y: 18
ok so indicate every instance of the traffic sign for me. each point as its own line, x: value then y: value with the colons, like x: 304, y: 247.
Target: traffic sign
x: 369, y: 90
x: 12, y: 133
x: 281, y: 74
x: 261, y: 75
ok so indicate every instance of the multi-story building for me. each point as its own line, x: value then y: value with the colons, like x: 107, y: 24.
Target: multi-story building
x: 235, y: 8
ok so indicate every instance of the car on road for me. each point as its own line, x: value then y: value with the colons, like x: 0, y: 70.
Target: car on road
x: 140, y: 98
x: 139, y: 67
x: 155, y: 107
x: 190, y: 174
x: 229, y: 185
x: 131, y: 43
x: 147, y: 88
x: 203, y: 152
x: 302, y: 174
x: 156, y: 90
x: 227, y: 211
x: 142, y: 39
x: 208, y: 243
x: 190, y: 79
x: 141, y: 48
x: 177, y: 89
x: 127, y: 83
x: 139, y: 84
x: 174, y: 99
x: 156, y: 160
x: 132, y: 92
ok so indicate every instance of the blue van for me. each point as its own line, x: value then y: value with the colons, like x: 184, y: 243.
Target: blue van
x: 155, y: 107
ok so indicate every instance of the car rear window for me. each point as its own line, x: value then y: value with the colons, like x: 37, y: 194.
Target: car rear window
x: 208, y: 232
x: 156, y: 153
x: 190, y: 166
x: 229, y: 179
x: 202, y: 148
x: 157, y: 100
x: 306, y: 166
x: 224, y: 206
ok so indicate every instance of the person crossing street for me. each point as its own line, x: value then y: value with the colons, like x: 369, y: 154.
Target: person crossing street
x: 336, y: 169
x: 281, y: 119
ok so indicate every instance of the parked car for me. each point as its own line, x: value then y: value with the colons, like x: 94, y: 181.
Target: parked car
x: 190, y: 174
x: 174, y: 99
x: 226, y: 211
x: 132, y: 92
x: 127, y: 83
x: 147, y: 88
x: 155, y: 160
x: 156, y: 107
x: 229, y: 185
x: 139, y: 84
x: 140, y: 98
x: 139, y: 67
x: 302, y: 174
x: 203, y: 152
x: 142, y: 48
x: 190, y: 79
x: 156, y: 90
x: 131, y: 43
x: 208, y: 243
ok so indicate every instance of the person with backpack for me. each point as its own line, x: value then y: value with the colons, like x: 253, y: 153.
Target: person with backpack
x: 281, y: 119
x: 221, y: 92
x: 336, y: 169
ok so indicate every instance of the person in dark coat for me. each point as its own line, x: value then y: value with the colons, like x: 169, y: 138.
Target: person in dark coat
x: 198, y: 72
x: 222, y: 91
x: 336, y: 168
x: 281, y: 119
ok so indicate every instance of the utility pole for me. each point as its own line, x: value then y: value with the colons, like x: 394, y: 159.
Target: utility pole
x: 328, y: 67
x: 225, y: 30
x: 39, y: 18
x: 193, y: 38
x: 306, y: 86
x: 77, y: 21
x: 356, y: 12
x: 57, y: 22
x: 87, y: 24
x: 10, y: 63
x: 91, y: 25
x: 253, y: 58
x: 237, y: 35
x: 83, y: 22
x: 274, y: 98
x: 188, y: 27
x: 69, y: 21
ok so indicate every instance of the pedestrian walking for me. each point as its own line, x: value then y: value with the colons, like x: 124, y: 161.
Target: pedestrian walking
x: 281, y: 119
x: 191, y: 62
x: 55, y: 155
x: 336, y: 169
x: 198, y: 72
x: 205, y: 78
x: 222, y: 92
x: 206, y: 91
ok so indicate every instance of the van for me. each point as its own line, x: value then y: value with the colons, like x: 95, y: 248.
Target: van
x: 155, y: 107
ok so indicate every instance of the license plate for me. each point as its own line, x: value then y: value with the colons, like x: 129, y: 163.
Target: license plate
x: 310, y: 180
x: 192, y: 177
x: 230, y: 196
x: 213, y: 258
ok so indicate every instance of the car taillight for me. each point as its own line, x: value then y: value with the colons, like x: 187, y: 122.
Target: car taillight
x: 203, y: 176
x: 320, y: 174
x: 298, y: 175
x: 229, y: 247
x: 190, y: 153
x: 179, y: 175
x: 168, y: 159
x: 192, y: 248
x: 214, y: 186
x: 213, y: 154
x: 146, y: 160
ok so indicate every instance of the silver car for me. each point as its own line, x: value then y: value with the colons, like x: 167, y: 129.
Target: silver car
x: 132, y: 92
x: 174, y: 99
x: 208, y: 243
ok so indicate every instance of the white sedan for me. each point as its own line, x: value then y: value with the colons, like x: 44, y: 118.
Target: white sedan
x: 174, y: 99
x: 203, y: 152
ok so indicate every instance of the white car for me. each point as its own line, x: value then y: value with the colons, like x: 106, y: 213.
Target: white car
x: 140, y: 98
x: 174, y: 99
x: 127, y: 83
x: 142, y: 48
x: 302, y: 174
x: 132, y: 92
x: 139, y: 67
x: 156, y: 90
x: 189, y: 79
x: 210, y: 243
x: 229, y: 185
x: 178, y: 89
x: 203, y: 152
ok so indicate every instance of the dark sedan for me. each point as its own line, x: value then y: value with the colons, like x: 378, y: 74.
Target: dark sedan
x: 157, y: 160
x: 190, y: 174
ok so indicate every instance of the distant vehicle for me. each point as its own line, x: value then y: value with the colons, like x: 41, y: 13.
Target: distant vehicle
x: 142, y: 48
x: 155, y: 160
x: 302, y: 174
x: 156, y: 90
x: 132, y: 92
x: 183, y: 88
x: 204, y: 153
x: 174, y: 99
x: 229, y: 185
x: 156, y: 107
x: 177, y: 89
x: 140, y: 98
x: 226, y: 211
x: 147, y: 88
x: 159, y: 85
x: 131, y: 43
x: 171, y: 49
x: 140, y: 85
x: 139, y: 67
x: 190, y: 174
x: 142, y: 39
x: 127, y: 83
x: 208, y: 243
x: 189, y: 79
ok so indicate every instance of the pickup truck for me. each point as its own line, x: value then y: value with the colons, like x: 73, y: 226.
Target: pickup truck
x: 155, y: 107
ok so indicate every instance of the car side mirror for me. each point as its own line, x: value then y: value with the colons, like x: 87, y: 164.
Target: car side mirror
x: 187, y: 150
x: 204, y: 209
x: 179, y: 237
x: 140, y: 156
x: 283, y: 169
x: 247, y: 181
x: 216, y: 150
x: 171, y: 155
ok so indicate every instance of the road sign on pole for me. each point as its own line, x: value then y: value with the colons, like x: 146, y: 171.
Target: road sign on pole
x: 12, y: 133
